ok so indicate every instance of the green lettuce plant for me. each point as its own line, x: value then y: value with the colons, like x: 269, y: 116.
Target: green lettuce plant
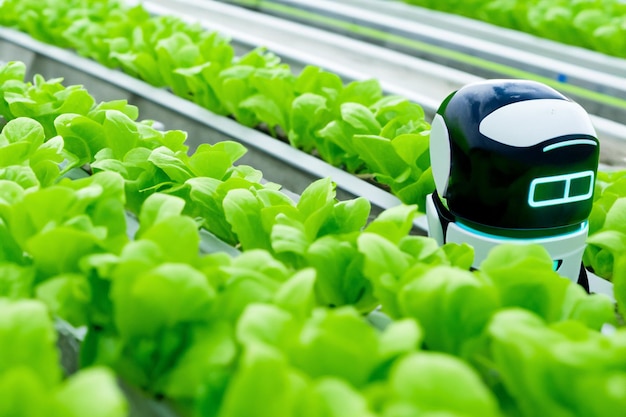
x: 31, y: 378
x: 607, y: 223
x: 559, y: 369
x: 49, y: 231
x: 454, y: 305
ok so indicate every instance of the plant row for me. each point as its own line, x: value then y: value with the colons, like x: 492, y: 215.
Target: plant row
x: 598, y: 25
x: 348, y: 125
x: 278, y: 330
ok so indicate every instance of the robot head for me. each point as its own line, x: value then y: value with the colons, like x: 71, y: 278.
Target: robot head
x: 514, y: 155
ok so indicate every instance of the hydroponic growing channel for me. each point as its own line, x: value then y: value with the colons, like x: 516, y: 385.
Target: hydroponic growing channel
x: 108, y: 222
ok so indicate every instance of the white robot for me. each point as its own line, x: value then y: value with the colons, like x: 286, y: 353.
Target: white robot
x: 513, y: 161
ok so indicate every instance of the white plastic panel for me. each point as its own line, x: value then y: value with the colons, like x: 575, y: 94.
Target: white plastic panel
x: 529, y: 122
x: 569, y: 247
x: 435, y: 230
x: 440, y: 154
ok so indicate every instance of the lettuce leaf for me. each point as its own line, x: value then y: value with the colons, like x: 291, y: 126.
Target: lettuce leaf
x: 551, y: 369
x: 432, y: 382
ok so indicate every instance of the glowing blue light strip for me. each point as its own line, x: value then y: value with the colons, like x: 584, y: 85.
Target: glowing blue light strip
x: 566, y: 197
x: 569, y: 143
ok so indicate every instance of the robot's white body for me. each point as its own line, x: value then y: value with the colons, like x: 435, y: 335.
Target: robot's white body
x: 513, y: 162
x: 566, y: 250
